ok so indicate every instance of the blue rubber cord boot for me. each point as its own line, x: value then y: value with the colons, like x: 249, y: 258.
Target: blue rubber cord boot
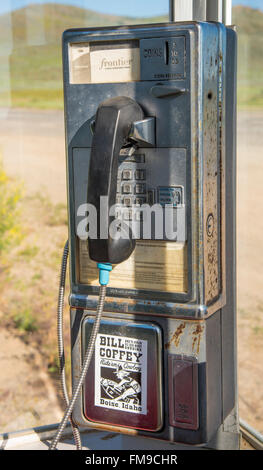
x: 104, y: 275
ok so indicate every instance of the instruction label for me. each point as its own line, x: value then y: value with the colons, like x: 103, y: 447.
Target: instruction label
x: 121, y: 373
x: 153, y: 265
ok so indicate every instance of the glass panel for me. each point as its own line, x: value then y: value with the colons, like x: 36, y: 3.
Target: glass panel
x: 249, y: 213
x: 33, y: 214
x: 33, y: 218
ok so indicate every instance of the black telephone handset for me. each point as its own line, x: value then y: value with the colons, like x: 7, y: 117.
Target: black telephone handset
x: 114, y: 119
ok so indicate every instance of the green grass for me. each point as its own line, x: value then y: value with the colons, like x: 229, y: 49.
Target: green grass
x: 29, y: 252
x: 25, y: 321
x: 249, y: 96
x: 53, y: 214
x: 258, y: 330
x: 40, y: 99
x: 248, y: 20
x: 10, y: 228
x: 58, y: 215
x: 36, y: 277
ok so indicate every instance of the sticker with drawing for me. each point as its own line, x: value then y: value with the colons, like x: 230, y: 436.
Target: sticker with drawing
x: 121, y: 373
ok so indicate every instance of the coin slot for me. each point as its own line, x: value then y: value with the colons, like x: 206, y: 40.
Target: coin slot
x: 166, y: 53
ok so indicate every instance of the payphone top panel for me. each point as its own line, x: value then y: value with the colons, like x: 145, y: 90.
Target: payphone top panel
x: 127, y: 61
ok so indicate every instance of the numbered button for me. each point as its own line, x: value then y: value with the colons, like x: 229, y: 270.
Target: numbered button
x: 127, y: 174
x: 128, y: 201
x: 127, y: 188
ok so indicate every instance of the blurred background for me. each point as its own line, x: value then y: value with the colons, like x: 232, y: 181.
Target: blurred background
x: 33, y: 214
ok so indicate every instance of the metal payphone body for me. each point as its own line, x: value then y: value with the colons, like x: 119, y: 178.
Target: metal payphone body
x: 164, y: 363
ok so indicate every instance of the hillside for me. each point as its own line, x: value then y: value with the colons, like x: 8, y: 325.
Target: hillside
x: 248, y: 20
x: 250, y: 55
x: 35, y: 46
x: 50, y: 20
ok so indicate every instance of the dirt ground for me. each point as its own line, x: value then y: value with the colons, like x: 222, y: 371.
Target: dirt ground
x: 249, y: 267
x: 27, y: 393
x: 32, y: 149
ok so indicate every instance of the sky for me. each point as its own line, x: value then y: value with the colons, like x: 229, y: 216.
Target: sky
x: 118, y: 7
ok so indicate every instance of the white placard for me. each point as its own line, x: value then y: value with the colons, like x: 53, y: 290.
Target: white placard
x: 121, y: 373
x: 90, y: 64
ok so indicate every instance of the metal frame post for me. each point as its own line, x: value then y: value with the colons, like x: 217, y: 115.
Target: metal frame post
x: 214, y: 10
x: 181, y: 10
x: 227, y: 12
x: 201, y: 10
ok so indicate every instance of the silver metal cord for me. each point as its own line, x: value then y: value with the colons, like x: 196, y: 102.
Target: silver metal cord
x: 60, y: 338
x: 86, y: 363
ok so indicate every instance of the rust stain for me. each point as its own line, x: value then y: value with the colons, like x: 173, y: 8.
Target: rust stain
x: 197, y: 334
x: 176, y: 336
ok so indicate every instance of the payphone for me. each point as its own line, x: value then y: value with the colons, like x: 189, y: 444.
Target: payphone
x: 150, y: 138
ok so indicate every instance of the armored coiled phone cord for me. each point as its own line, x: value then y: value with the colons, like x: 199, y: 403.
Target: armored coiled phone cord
x: 86, y: 361
x: 60, y: 339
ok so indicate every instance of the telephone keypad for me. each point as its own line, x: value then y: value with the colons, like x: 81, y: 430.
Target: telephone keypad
x: 131, y: 181
x: 136, y: 187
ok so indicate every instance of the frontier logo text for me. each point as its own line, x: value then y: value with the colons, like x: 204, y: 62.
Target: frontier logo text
x: 115, y: 64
